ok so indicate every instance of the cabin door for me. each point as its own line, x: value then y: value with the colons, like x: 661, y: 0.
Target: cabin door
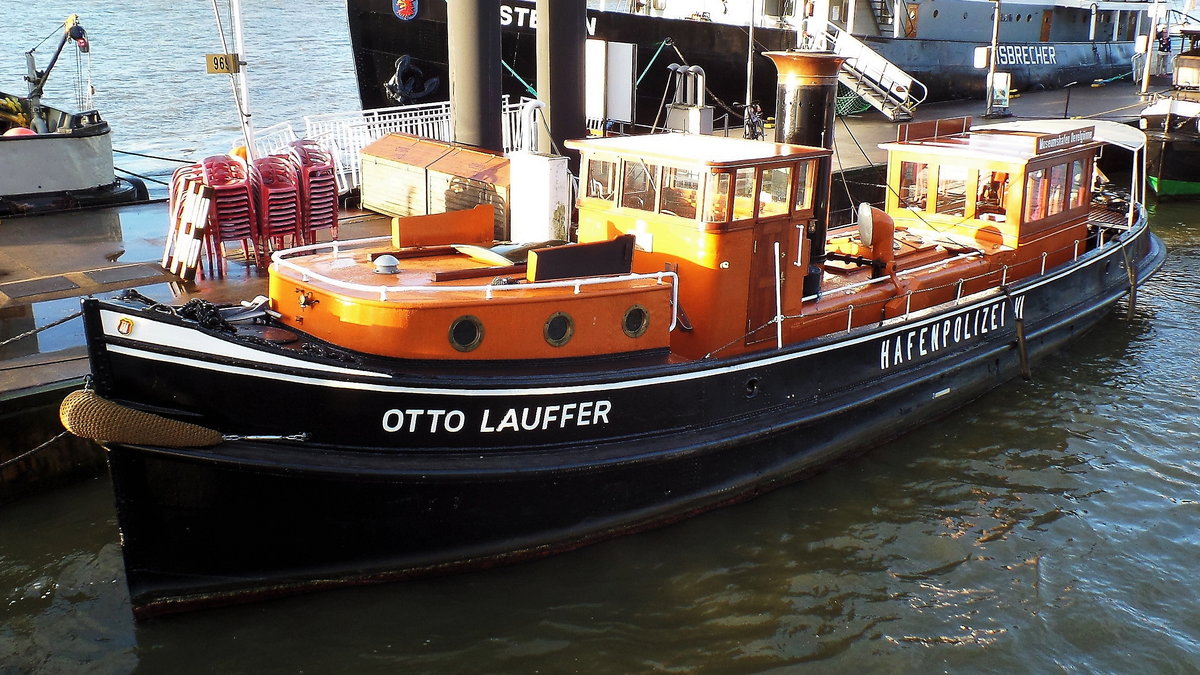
x: 760, y: 307
x: 913, y: 10
x: 1047, y: 17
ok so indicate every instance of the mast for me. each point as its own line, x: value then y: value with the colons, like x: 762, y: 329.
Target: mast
x: 37, y: 80
x: 242, y: 91
x: 750, y: 54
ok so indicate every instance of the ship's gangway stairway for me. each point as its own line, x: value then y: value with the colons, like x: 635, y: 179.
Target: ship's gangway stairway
x: 878, y: 81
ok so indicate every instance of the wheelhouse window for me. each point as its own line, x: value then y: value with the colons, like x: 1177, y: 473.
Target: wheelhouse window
x: 803, y: 191
x: 991, y: 196
x: 773, y: 197
x: 638, y: 185
x: 1057, y: 189
x: 681, y: 188
x: 716, y: 198
x: 914, y: 184
x: 743, y: 194
x: 1079, y: 182
x: 601, y: 178
x: 952, y: 190
x: 1035, y: 195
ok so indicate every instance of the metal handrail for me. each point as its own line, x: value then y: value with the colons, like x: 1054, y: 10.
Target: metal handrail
x: 306, y: 274
x: 866, y: 62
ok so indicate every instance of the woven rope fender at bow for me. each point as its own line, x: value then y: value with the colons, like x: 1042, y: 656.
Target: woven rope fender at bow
x: 87, y: 415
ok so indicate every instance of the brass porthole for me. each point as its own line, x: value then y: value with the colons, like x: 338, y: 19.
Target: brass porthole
x: 558, y: 329
x: 466, y: 332
x: 636, y: 321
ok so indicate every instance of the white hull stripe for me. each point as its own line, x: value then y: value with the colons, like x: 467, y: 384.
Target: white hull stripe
x: 209, y: 345
x: 148, y: 331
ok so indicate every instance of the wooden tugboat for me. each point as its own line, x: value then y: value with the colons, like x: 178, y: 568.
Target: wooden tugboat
x: 432, y: 401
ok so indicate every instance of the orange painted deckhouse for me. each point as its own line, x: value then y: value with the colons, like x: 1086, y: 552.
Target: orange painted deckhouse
x: 698, y: 245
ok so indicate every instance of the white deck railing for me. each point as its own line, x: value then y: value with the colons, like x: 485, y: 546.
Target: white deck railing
x: 274, y: 139
x: 347, y: 133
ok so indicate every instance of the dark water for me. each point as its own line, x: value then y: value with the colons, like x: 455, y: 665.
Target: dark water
x: 1051, y: 527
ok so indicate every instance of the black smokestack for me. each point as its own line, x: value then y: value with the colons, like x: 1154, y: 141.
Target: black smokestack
x: 805, y: 107
x: 473, y: 36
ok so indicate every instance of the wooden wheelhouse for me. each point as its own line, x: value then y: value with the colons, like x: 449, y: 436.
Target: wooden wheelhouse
x: 999, y: 189
x: 729, y: 215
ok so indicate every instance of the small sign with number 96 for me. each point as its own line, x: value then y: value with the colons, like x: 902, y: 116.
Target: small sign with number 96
x: 222, y: 63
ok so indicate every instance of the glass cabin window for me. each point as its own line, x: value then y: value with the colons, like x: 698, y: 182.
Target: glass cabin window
x: 775, y: 193
x: 1035, y: 195
x: 1079, y: 192
x: 991, y: 195
x: 602, y: 175
x: 1057, y: 188
x: 681, y: 189
x: 803, y: 191
x: 914, y: 184
x: 716, y: 199
x: 743, y: 194
x: 637, y: 186
x: 952, y: 190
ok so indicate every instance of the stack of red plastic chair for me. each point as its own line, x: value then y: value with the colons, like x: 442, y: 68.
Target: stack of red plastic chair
x: 318, y: 188
x: 277, y: 188
x: 232, y: 215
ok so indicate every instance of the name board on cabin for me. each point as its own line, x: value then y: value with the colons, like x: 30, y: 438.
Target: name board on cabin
x: 1066, y: 139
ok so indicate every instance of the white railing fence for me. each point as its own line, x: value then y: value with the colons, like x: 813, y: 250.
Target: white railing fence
x: 345, y: 134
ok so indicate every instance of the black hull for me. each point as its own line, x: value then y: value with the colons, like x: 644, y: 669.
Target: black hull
x: 122, y: 191
x: 376, y: 495
x: 1173, y: 154
x: 945, y: 66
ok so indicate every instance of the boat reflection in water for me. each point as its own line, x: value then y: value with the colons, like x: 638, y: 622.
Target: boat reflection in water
x: 420, y: 404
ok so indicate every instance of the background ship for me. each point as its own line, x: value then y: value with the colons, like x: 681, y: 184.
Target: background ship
x: 400, y: 47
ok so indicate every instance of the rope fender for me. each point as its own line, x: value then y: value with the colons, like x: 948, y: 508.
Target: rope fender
x: 87, y: 415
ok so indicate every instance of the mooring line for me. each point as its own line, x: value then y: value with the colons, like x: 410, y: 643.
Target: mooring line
x: 165, y: 159
x: 35, y: 331
x: 20, y: 457
x: 138, y: 175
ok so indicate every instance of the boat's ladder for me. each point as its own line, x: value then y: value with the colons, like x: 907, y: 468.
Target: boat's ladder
x: 882, y: 11
x: 878, y: 81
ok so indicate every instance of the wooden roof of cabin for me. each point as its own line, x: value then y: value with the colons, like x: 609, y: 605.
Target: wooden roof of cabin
x: 406, y: 149
x: 696, y: 149
x: 447, y: 158
x: 1015, y: 146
